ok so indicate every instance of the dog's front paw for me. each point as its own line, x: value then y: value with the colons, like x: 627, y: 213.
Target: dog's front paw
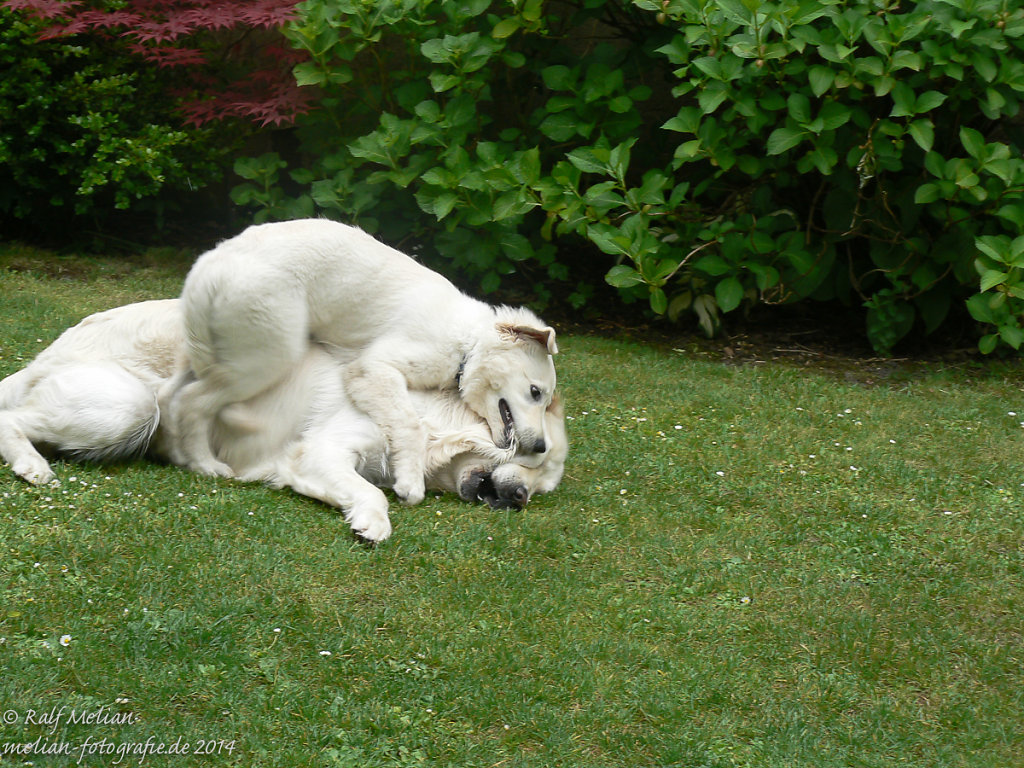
x: 370, y: 522
x: 35, y: 470
x: 212, y: 468
x: 411, y: 493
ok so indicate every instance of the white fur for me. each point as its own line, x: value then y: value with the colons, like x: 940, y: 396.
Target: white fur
x: 252, y: 304
x: 93, y: 394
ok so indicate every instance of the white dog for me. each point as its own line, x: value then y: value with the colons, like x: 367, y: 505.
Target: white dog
x: 92, y: 394
x: 253, y: 303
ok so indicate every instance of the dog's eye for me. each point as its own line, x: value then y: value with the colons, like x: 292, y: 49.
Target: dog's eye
x: 535, y: 392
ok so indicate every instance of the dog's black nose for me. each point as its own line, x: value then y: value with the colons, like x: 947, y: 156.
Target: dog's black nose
x: 540, y: 446
x: 520, y: 495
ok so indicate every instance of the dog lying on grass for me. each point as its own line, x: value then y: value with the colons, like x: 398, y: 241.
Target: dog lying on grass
x: 94, y: 395
x: 253, y: 303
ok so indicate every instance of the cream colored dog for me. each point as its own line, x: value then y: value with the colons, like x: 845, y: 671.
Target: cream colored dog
x: 254, y: 302
x: 92, y: 394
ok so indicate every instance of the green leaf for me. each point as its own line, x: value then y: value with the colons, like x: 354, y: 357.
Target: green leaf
x: 525, y: 166
x: 608, y: 239
x: 588, y: 160
x: 622, y: 276
x: 729, y: 294
x: 928, y: 101
x: 782, y: 139
x: 506, y: 27
x: 620, y: 104
x: 442, y: 82
x: 996, y: 247
x: 927, y: 193
x: 834, y: 115
x: 965, y: 178
x: 532, y: 9
x: 972, y: 141
x: 799, y: 108
x: 735, y: 11
x: 1013, y: 213
x: 439, y: 204
x: 686, y: 121
x: 677, y: 51
x: 978, y: 306
x: 517, y: 247
x: 308, y: 73
x: 429, y: 111
x: 559, y: 77
x: 821, y: 79
x: 923, y: 133
x: 824, y: 159
x: 436, y: 51
x: 990, y: 278
x: 713, y: 265
x: 903, y: 101
x: 512, y: 203
x: 711, y: 99
x: 560, y: 127
x: 490, y: 282
x: 710, y: 66
x: 1012, y: 335
x: 659, y: 301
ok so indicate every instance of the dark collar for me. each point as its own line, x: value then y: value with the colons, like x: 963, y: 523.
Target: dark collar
x: 459, y: 372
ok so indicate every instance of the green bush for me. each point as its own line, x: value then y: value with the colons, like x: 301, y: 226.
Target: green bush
x: 85, y: 130
x: 718, y: 153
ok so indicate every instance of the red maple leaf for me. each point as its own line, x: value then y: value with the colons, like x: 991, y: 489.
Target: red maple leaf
x: 43, y: 9
x: 269, y: 13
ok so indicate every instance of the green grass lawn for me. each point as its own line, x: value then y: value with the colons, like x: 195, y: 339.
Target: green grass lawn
x: 746, y: 565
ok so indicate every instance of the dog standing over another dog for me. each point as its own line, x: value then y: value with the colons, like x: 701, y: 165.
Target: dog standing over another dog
x: 253, y: 303
x: 92, y: 394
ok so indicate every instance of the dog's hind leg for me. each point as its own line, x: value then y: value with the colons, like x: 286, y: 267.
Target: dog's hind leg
x: 17, y: 450
x: 236, y: 352
x: 15, y: 446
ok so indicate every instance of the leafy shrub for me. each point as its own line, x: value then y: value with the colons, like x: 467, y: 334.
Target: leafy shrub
x: 839, y: 151
x: 87, y: 130
x: 863, y: 152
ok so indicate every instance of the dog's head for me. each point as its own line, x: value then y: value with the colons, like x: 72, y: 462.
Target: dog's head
x: 511, y: 485
x: 509, y: 380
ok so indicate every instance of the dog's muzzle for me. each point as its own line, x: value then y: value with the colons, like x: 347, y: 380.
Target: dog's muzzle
x: 481, y: 487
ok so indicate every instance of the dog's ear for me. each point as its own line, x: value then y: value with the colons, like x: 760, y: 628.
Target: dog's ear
x: 544, y: 336
x: 556, y: 408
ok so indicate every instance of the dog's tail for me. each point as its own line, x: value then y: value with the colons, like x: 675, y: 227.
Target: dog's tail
x: 131, y: 443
